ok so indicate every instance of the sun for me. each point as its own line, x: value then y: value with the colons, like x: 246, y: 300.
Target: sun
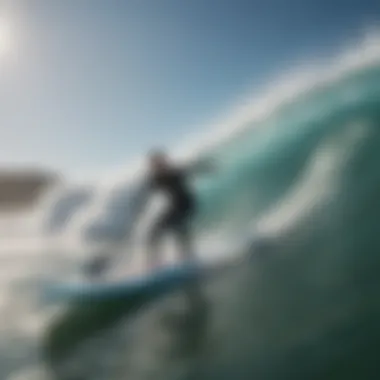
x: 5, y: 37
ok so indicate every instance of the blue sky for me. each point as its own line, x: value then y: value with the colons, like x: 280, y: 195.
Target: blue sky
x: 87, y: 84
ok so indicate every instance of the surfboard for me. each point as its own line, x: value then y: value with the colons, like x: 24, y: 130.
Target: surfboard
x: 154, y: 284
x: 149, y: 285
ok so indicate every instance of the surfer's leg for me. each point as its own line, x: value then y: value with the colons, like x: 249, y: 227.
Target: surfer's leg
x: 163, y: 225
x: 183, y: 235
x: 184, y: 240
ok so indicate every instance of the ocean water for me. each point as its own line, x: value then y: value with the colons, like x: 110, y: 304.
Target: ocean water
x: 298, y: 171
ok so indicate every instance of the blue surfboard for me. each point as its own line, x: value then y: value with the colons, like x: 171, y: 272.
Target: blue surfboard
x: 150, y: 285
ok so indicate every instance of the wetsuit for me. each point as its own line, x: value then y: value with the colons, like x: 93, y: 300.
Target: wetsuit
x: 182, y: 206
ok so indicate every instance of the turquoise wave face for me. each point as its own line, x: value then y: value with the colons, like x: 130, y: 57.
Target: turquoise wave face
x: 257, y: 167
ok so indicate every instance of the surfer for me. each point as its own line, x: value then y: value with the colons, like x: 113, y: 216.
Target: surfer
x: 163, y: 176
x: 171, y: 179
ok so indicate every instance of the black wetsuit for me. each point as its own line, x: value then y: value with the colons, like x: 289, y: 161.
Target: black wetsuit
x: 173, y: 182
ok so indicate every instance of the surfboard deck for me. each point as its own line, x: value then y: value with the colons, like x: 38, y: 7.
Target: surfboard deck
x: 150, y: 284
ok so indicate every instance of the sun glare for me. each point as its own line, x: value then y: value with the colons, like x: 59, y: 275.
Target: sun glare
x: 5, y: 37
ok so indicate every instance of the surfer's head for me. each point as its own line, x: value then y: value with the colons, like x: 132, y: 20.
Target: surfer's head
x: 158, y: 160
